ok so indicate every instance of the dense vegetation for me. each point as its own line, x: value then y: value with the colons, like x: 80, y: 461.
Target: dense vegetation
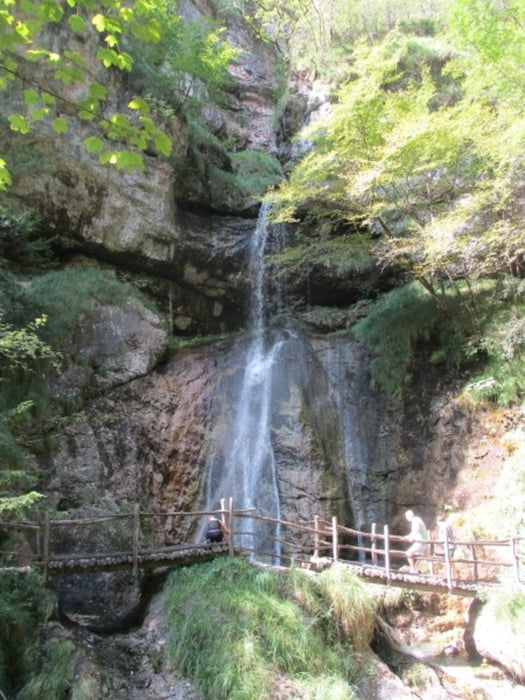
x: 243, y: 632
x: 419, y: 163
x: 24, y: 606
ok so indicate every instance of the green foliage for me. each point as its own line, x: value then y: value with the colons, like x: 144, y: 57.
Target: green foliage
x: 493, y: 32
x: 23, y: 48
x: 21, y: 348
x: 193, y: 56
x: 256, y: 171
x: 183, y: 343
x: 478, y: 327
x: 54, y: 679
x: 397, y: 323
x: 423, y: 148
x: 24, y: 356
x: 236, y: 631
x: 351, y: 610
x: 19, y: 239
x: 343, y: 254
x: 24, y: 606
x: 67, y: 295
x: 320, y: 36
x: 27, y: 357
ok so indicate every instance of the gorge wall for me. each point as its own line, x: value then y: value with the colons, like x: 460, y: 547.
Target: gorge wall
x: 151, y: 416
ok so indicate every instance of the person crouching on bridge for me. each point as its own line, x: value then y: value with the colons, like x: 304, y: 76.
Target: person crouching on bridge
x: 418, y: 535
x: 216, y: 530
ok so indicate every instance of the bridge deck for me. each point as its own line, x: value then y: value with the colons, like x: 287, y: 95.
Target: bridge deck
x: 180, y: 555
x: 406, y: 579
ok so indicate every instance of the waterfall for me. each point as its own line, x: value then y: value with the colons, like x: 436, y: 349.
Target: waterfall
x: 248, y: 472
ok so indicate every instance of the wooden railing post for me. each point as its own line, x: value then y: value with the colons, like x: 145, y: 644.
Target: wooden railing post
x: 45, y: 554
x: 387, y: 553
x: 230, y: 526
x: 335, y: 539
x: 475, y: 562
x: 136, y: 537
x: 373, y: 533
x: 316, y: 536
x: 448, y: 567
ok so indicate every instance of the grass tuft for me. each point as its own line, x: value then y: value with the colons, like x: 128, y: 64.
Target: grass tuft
x: 241, y: 632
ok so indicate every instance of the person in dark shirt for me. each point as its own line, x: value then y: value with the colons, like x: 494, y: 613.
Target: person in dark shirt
x: 216, y: 530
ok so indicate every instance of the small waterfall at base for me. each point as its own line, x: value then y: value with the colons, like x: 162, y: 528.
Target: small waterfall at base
x: 249, y: 470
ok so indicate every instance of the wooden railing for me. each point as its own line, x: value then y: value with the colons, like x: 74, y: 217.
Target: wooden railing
x: 135, y: 540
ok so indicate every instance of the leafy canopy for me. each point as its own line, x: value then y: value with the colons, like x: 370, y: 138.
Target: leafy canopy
x: 51, y: 81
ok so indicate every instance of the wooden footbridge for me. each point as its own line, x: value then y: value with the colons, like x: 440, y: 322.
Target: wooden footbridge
x: 135, y: 541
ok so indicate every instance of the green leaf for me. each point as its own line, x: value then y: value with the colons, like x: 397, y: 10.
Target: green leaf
x: 19, y: 123
x: 99, y: 22
x: 31, y: 97
x: 163, y: 143
x: 36, y: 54
x: 68, y: 75
x: 5, y: 177
x: 10, y: 64
x: 97, y: 92
x: 129, y: 161
x: 123, y: 160
x: 60, y: 125
x: 125, y: 61
x: 75, y: 58
x: 38, y: 113
x: 140, y: 105
x: 108, y: 57
x: 49, y: 11
x: 77, y: 24
x: 148, y: 124
x: 93, y: 144
x: 111, y: 40
x: 85, y: 114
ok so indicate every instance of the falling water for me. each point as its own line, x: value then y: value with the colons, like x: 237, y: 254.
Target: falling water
x: 249, y: 470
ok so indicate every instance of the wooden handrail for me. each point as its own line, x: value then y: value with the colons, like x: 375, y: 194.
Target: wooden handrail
x: 312, y: 538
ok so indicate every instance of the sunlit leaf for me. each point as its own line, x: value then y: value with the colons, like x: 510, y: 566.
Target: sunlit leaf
x: 140, y: 105
x: 36, y: 54
x: 163, y: 143
x: 19, y: 123
x: 108, y: 57
x: 5, y: 177
x: 99, y: 22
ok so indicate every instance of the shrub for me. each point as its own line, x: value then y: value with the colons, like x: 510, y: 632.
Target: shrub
x: 24, y: 606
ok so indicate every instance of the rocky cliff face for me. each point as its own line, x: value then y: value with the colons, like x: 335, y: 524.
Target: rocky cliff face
x: 151, y: 417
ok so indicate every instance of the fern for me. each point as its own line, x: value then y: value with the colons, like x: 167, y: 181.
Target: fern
x: 399, y: 320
